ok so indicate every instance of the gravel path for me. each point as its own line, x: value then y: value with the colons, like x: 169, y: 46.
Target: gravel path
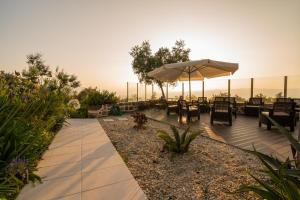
x: 207, y: 171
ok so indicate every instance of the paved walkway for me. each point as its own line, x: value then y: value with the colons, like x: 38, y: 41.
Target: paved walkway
x: 82, y: 164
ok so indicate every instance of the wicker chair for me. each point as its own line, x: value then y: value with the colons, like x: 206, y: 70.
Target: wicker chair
x: 188, y: 110
x: 221, y: 111
x: 232, y: 102
x: 203, y: 104
x: 173, y: 106
x: 284, y: 99
x: 253, y: 106
x: 297, y: 105
x: 297, y: 102
x: 220, y: 98
x: 283, y: 113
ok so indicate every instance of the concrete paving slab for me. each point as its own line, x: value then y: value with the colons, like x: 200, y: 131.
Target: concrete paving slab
x: 124, y: 190
x: 59, y: 171
x: 108, y: 120
x: 82, y: 164
x: 122, y: 119
x: 107, y: 176
x: 52, y: 188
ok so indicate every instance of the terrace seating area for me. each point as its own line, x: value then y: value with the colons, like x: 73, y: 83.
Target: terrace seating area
x: 243, y: 130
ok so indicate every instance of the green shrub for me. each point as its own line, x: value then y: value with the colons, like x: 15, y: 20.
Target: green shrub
x: 33, y: 106
x: 94, y: 97
x: 283, y: 177
x: 180, y: 143
x: 140, y: 120
x: 115, y: 110
x: 79, y: 113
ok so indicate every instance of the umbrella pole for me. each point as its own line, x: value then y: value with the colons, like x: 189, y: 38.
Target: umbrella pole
x: 190, y: 84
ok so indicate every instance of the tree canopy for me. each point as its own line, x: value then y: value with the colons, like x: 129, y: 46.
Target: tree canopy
x: 144, y: 60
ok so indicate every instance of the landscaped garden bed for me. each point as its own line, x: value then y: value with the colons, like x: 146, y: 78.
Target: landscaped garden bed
x: 209, y: 170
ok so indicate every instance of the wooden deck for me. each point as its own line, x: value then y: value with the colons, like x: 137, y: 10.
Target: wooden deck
x: 243, y: 133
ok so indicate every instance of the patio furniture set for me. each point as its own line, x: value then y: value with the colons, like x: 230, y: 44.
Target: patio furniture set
x: 285, y: 111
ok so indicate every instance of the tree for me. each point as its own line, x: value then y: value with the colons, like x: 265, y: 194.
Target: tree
x: 39, y: 74
x: 145, y: 61
x: 37, y: 70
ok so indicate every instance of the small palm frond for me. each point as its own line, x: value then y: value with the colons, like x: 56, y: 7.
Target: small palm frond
x: 186, y: 143
x: 180, y: 143
x: 176, y: 136
x: 183, y: 136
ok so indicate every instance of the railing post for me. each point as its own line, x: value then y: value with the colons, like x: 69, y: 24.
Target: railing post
x: 167, y: 92
x: 182, y: 90
x: 145, y: 92
x: 228, y: 88
x: 137, y: 92
x: 152, y: 91
x: 127, y: 92
x: 285, y: 87
x: 203, y: 88
x: 252, y: 84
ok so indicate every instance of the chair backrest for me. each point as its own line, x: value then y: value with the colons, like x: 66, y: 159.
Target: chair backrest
x: 286, y: 107
x: 202, y: 99
x: 221, y: 106
x: 297, y: 101
x: 256, y: 101
x: 231, y: 100
x: 284, y: 100
x: 220, y: 98
x: 183, y: 103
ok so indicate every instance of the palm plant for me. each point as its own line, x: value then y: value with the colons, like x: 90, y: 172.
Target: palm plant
x: 180, y: 143
x: 283, y: 176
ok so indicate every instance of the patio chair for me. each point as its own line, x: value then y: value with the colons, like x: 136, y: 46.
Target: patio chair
x: 232, y: 102
x: 282, y: 112
x: 220, y: 98
x: 172, y: 107
x: 203, y: 104
x: 297, y: 106
x: 252, y: 107
x: 297, y: 102
x: 189, y: 110
x: 221, y: 111
x: 284, y: 99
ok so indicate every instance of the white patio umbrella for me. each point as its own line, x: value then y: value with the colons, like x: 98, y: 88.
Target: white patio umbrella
x: 193, y: 70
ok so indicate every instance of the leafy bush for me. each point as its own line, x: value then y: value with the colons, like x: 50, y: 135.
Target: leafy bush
x: 94, y: 97
x: 283, y: 176
x: 140, y: 120
x: 82, y: 112
x: 33, y: 105
x: 115, y: 110
x: 180, y: 143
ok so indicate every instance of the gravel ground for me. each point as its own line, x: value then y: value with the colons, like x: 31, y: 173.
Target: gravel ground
x: 207, y: 171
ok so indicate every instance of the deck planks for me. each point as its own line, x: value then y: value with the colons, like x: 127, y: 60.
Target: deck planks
x: 244, y: 132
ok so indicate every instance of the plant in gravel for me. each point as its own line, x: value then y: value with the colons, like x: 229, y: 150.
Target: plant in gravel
x: 180, y: 143
x: 115, y: 110
x: 140, y: 120
x: 283, y: 177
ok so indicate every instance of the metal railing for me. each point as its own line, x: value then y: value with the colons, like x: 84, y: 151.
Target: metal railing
x: 266, y: 87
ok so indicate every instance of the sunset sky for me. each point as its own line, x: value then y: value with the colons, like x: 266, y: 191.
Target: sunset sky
x: 92, y: 39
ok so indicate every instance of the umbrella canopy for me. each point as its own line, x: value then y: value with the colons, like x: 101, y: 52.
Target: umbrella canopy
x: 193, y: 70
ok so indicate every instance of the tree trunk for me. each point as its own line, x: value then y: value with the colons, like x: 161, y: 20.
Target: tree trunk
x: 162, y: 89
